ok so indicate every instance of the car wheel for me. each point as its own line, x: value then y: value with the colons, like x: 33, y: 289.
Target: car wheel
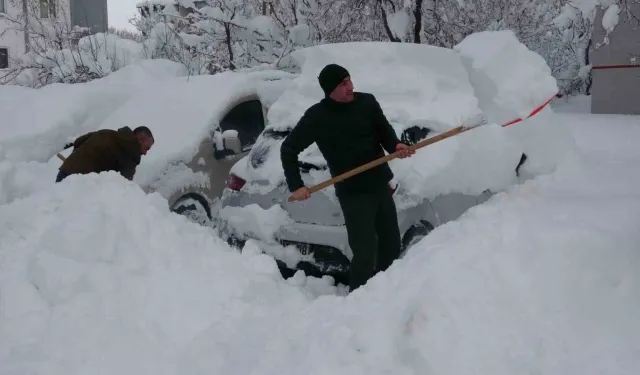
x: 414, y: 234
x: 194, y: 208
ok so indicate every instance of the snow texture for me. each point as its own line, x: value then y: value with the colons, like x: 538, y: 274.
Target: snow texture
x: 98, y: 277
x: 610, y: 18
x: 255, y: 221
x: 399, y: 23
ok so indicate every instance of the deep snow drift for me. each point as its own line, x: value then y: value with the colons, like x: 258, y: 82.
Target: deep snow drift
x: 97, y: 277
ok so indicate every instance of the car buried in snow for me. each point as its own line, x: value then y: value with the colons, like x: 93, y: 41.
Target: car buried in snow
x: 423, y: 91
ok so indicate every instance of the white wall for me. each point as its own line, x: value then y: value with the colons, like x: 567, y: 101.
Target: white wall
x: 11, y: 39
x: 14, y: 40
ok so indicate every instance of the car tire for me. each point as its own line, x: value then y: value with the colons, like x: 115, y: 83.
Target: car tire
x: 194, y: 207
x: 414, y: 234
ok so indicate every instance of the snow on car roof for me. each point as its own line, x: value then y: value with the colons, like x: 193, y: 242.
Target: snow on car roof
x: 415, y: 84
x: 182, y: 112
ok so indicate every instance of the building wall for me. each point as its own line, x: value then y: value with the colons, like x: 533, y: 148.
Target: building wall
x: 15, y: 40
x: 616, y: 90
x: 11, y: 39
x: 86, y: 13
x: 92, y: 14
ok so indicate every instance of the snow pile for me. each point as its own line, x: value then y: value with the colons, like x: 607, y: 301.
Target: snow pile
x: 530, y: 282
x: 57, y: 114
x: 511, y: 81
x: 421, y: 84
x: 97, y: 277
x: 254, y: 221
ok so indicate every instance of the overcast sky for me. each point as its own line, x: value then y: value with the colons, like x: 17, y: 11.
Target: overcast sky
x: 120, y: 11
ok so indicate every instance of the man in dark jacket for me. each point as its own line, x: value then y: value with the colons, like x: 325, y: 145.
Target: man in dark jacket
x: 350, y: 130
x: 108, y: 150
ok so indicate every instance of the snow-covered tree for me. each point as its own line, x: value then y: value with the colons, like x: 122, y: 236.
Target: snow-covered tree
x: 58, y: 52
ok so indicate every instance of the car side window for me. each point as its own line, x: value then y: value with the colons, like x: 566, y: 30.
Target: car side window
x: 247, y: 119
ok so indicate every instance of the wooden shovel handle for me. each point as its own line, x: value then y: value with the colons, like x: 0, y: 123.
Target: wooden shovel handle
x: 61, y: 157
x: 386, y: 158
x: 426, y: 142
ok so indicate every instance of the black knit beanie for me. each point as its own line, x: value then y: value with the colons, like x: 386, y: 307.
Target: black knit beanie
x: 331, y: 76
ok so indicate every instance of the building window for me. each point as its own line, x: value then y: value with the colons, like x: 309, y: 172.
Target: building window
x: 4, y: 58
x: 2, y: 10
x: 47, y: 8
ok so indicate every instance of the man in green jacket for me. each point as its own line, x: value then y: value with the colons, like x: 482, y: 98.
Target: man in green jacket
x: 108, y: 150
x: 350, y: 130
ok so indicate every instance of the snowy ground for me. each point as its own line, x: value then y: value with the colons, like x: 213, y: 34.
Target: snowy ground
x: 98, y: 278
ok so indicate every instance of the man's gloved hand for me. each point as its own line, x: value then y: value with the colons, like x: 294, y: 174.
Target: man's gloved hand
x: 300, y: 194
x: 404, y: 151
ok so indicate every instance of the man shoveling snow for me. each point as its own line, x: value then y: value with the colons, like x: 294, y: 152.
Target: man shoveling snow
x: 108, y: 150
x: 350, y: 130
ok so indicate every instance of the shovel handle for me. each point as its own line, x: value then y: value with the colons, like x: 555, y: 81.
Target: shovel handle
x: 384, y: 159
x: 421, y: 144
x: 61, y: 157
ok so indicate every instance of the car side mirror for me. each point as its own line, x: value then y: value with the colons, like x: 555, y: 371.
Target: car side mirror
x: 231, y: 142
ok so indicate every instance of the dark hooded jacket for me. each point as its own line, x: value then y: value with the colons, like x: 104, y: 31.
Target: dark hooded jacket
x: 348, y: 136
x: 105, y: 150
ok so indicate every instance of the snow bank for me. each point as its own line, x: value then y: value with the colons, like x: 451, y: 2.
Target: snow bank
x: 97, y: 277
x: 254, y: 221
x: 530, y: 282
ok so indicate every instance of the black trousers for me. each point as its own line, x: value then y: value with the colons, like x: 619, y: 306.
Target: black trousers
x: 374, y: 237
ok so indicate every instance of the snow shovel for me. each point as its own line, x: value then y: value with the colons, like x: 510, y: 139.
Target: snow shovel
x: 386, y: 158
x: 421, y: 144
